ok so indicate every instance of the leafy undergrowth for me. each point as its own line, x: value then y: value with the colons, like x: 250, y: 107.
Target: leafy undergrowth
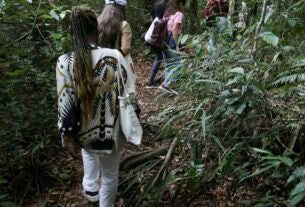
x: 210, y: 166
x: 237, y: 125
x: 233, y: 137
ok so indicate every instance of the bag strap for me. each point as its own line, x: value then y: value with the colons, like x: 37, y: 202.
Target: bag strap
x: 120, y: 74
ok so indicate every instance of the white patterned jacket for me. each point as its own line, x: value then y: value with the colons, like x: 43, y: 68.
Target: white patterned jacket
x: 101, y: 134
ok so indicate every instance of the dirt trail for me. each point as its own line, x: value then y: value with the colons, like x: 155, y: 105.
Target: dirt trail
x: 69, y: 193
x: 147, y: 97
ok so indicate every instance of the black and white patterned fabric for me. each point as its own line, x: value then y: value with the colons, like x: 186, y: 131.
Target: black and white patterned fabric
x: 99, y: 135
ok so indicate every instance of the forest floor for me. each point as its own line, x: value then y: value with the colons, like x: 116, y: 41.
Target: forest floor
x: 69, y: 193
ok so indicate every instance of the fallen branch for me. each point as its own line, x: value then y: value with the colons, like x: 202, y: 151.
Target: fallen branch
x: 165, y: 163
x: 133, y: 155
x: 138, y: 158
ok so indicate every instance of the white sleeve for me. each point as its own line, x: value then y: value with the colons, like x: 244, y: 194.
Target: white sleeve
x: 68, y: 108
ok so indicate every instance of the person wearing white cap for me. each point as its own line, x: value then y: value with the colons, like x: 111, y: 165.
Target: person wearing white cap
x: 114, y: 30
x: 119, y: 2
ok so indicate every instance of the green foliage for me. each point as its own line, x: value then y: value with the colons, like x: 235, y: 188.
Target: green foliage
x: 270, y: 38
x: 239, y: 116
x: 28, y: 132
x: 4, y: 197
x: 270, y: 163
x: 32, y: 39
x: 242, y: 114
x: 297, y: 194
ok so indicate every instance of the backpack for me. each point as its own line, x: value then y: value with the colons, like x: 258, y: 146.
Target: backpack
x: 159, y: 37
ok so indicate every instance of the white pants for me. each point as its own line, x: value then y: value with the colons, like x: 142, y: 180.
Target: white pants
x: 108, y: 167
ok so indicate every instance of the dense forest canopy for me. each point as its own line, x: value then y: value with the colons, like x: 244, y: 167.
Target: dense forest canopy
x: 236, y: 132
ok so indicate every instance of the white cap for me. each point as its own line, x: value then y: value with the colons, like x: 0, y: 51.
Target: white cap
x: 119, y: 2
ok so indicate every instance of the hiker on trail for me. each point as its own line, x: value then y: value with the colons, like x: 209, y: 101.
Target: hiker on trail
x: 174, y: 13
x: 217, y: 11
x: 114, y: 30
x: 158, y: 10
x: 88, y: 107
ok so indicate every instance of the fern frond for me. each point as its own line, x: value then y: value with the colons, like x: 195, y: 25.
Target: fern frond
x: 294, y: 78
x: 297, y: 173
x: 299, y: 188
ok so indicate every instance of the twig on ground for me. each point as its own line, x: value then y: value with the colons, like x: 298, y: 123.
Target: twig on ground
x: 166, y: 161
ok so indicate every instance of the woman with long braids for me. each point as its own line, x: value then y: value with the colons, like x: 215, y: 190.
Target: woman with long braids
x: 114, y: 30
x: 88, y: 106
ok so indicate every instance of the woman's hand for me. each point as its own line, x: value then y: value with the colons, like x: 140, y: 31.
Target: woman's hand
x: 70, y: 145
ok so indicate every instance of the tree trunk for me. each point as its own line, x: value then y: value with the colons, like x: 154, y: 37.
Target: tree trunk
x: 193, y: 11
x: 258, y: 28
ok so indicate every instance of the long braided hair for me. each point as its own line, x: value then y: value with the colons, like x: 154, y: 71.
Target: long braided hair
x: 83, y: 24
x: 109, y: 26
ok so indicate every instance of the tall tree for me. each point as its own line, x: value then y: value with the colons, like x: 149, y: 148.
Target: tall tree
x: 194, y: 21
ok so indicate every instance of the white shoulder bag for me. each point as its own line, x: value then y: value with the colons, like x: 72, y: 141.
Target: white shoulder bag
x: 149, y: 32
x: 130, y: 124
